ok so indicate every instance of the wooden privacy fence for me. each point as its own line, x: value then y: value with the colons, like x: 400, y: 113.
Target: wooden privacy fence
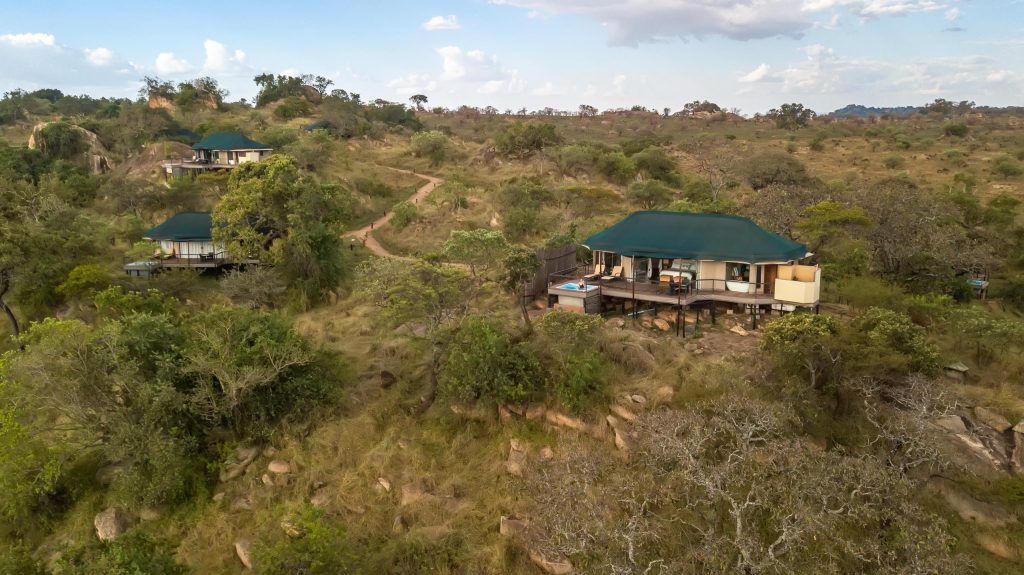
x: 552, y: 260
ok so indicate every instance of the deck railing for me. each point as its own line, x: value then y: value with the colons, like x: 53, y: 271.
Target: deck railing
x: 200, y: 261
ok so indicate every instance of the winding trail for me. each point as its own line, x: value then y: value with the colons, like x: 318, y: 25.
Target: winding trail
x: 365, y: 233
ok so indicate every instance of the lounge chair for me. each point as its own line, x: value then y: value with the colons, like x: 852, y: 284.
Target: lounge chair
x: 616, y: 274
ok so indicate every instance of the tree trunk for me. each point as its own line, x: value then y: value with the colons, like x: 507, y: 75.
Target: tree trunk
x: 431, y: 395
x: 526, y: 313
x: 15, y: 329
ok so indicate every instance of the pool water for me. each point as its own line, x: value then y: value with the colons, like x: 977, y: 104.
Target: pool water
x: 576, y: 287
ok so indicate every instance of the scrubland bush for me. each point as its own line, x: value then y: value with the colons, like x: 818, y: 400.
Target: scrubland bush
x: 403, y: 214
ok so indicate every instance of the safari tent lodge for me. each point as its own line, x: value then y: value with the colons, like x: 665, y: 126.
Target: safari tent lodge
x: 685, y: 259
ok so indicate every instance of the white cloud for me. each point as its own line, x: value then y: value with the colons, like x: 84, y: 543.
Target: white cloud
x: 999, y: 76
x: 36, y: 60
x: 619, y: 83
x: 952, y: 14
x: 413, y: 84
x: 630, y: 22
x: 470, y: 65
x: 755, y: 75
x: 450, y: 22
x: 167, y: 63
x: 29, y: 39
x: 220, y: 61
x: 99, y: 56
x: 823, y: 71
x: 548, y: 89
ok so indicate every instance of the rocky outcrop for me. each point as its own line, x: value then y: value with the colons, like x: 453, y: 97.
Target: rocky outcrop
x: 992, y: 419
x: 279, y: 467
x: 111, y: 523
x: 551, y: 566
x: 240, y: 461
x: 516, y: 462
x: 243, y: 550
x: 159, y: 102
x: 96, y: 157
x: 998, y: 546
x: 968, y: 507
x: 511, y: 527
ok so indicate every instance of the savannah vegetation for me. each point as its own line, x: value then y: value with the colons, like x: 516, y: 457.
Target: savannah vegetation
x: 398, y: 394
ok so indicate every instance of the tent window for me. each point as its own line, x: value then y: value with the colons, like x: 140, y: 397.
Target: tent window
x: 739, y: 272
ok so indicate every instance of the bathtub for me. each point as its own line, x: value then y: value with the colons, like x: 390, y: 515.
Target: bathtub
x: 737, y: 286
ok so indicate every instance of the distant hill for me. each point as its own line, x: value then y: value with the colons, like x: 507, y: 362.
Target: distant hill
x: 858, y: 111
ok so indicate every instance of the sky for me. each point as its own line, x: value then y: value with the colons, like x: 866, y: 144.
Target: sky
x: 750, y: 55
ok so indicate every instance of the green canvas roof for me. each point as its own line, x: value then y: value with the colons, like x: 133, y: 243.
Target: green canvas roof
x: 184, y: 226
x: 694, y: 236
x: 228, y: 141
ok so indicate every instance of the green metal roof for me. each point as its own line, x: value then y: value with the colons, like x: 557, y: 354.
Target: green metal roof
x: 229, y: 141
x: 184, y: 226
x: 695, y: 236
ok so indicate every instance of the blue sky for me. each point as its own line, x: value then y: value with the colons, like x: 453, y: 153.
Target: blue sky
x: 745, y: 54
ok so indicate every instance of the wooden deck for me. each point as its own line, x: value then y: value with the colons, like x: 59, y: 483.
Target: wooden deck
x: 658, y: 292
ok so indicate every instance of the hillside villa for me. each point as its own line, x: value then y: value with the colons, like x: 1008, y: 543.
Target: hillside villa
x: 684, y: 259
x: 220, y: 151
x: 185, y: 240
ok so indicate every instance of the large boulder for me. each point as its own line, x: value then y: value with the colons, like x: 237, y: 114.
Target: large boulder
x: 992, y: 419
x: 511, y: 527
x: 240, y: 460
x: 968, y: 507
x: 244, y: 551
x: 111, y: 523
x: 97, y: 157
x: 516, y: 462
x: 551, y: 566
x: 279, y: 467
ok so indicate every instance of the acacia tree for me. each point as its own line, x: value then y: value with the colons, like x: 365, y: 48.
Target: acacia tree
x: 791, y: 116
x: 803, y: 342
x: 421, y: 296
x: 273, y: 213
x: 418, y: 100
x: 521, y: 266
x: 480, y: 249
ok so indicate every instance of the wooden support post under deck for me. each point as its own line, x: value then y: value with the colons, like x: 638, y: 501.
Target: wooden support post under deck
x: 634, y: 298
x: 679, y: 309
x: 713, y: 318
x: 756, y: 309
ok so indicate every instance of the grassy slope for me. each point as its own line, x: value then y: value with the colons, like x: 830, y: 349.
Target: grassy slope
x: 353, y: 444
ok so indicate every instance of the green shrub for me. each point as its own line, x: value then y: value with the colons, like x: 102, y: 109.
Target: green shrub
x: 617, y: 167
x: 134, y: 553
x: 323, y: 548
x: 293, y: 107
x: 580, y: 380
x: 84, y: 280
x: 955, y: 129
x: 863, y: 292
x: 520, y: 140
x: 763, y: 170
x: 818, y: 143
x: 483, y: 363
x: 521, y: 222
x: 648, y: 194
x: 432, y: 145
x: 61, y: 141
x: 892, y: 341
x: 1006, y: 167
x: 654, y: 163
x: 18, y: 561
x: 894, y: 161
x: 404, y: 213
